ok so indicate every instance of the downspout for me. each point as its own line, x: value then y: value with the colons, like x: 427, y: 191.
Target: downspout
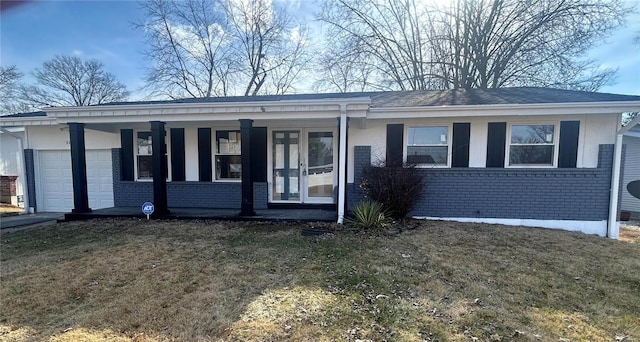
x: 342, y: 163
x: 23, y: 173
x: 613, y: 228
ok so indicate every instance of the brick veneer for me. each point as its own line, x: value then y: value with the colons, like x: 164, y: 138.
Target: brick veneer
x: 223, y: 195
x: 543, y: 194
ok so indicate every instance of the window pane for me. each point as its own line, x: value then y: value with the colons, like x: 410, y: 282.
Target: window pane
x: 427, y: 155
x: 532, y: 134
x: 228, y: 167
x: 531, y: 154
x: 428, y: 135
x: 228, y: 142
x: 144, y: 143
x: 145, y: 167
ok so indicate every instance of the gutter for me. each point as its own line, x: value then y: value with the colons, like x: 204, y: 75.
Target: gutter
x: 23, y: 173
x: 613, y: 229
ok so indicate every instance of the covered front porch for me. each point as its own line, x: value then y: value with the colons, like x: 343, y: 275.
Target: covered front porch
x: 219, y: 161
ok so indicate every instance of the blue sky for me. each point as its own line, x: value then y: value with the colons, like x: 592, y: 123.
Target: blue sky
x: 36, y: 31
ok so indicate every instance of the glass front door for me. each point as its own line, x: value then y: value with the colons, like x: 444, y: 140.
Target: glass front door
x: 319, y: 178
x: 303, y: 166
x: 286, y: 166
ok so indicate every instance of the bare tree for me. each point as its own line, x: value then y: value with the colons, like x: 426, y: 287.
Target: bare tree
x: 202, y: 48
x: 70, y: 81
x: 345, y: 68
x: 188, y: 47
x: 9, y: 90
x: 386, y: 32
x: 480, y: 43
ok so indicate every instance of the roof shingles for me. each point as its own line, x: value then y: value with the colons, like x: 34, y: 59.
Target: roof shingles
x: 419, y: 98
x: 416, y: 98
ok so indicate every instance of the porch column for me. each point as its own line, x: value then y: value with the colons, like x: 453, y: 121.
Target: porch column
x: 78, y: 168
x: 159, y: 162
x: 342, y: 164
x: 246, y: 208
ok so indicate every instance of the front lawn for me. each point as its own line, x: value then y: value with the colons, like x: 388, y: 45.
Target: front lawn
x: 122, y: 280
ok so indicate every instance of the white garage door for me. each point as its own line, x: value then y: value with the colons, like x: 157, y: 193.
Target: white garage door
x: 56, y: 185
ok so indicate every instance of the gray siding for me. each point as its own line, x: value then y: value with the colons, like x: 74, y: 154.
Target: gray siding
x: 542, y: 194
x: 631, y: 173
x: 222, y: 195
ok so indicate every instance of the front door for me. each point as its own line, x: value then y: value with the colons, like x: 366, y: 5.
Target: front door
x: 303, y: 166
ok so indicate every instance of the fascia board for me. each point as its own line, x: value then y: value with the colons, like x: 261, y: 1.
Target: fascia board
x: 209, y: 117
x: 238, y: 107
x: 577, y: 108
x: 35, y: 121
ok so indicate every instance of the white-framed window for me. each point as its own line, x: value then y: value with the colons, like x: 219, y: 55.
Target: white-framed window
x: 532, y: 145
x: 144, y: 156
x: 428, y: 145
x: 227, y: 155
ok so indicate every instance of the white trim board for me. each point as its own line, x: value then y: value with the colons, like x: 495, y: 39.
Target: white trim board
x: 588, y: 227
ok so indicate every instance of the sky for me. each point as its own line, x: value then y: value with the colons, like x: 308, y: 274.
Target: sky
x: 36, y: 31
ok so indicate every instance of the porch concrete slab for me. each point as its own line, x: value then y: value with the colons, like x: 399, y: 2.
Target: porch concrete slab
x: 29, y: 219
x: 307, y: 215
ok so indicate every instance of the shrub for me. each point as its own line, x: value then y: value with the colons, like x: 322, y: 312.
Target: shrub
x: 398, y: 189
x: 368, y: 216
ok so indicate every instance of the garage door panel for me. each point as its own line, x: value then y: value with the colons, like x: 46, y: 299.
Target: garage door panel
x: 56, y: 183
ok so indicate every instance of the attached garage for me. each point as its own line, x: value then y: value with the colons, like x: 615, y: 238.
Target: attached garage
x: 55, y: 191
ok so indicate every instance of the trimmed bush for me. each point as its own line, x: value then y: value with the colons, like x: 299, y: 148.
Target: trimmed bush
x: 398, y: 189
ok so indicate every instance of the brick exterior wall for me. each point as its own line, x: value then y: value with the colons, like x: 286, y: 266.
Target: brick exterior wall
x: 543, y: 194
x: 361, y: 159
x: 221, y: 195
x: 30, y: 173
x: 8, y: 185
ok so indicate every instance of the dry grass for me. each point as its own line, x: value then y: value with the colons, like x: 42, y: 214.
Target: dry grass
x: 630, y: 233
x: 133, y: 280
x: 9, y: 210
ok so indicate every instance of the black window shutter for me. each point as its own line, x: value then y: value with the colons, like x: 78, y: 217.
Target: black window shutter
x: 204, y: 154
x: 395, y: 133
x: 259, y: 154
x: 460, y: 148
x: 177, y: 154
x: 496, y: 140
x: 569, y: 134
x: 126, y: 154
